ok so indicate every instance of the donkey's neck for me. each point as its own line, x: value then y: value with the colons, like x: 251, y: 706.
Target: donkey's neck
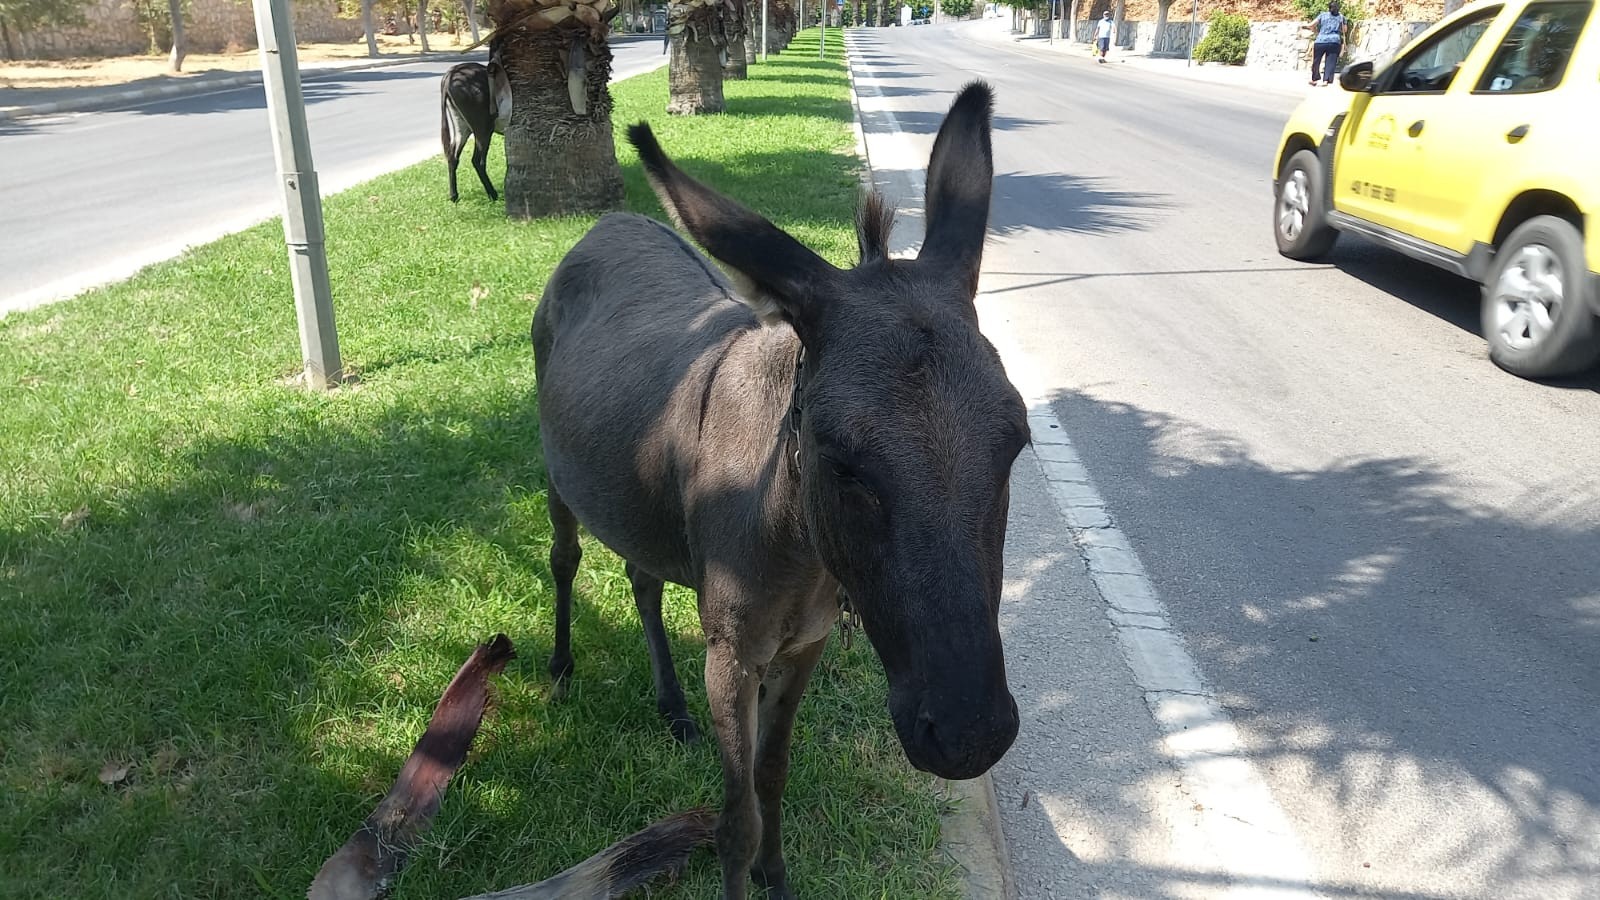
x: 749, y: 416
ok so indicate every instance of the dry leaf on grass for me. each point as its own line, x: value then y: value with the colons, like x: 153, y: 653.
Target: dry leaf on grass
x: 75, y: 518
x: 113, y: 773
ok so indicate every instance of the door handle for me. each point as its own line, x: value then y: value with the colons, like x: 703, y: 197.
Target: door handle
x: 1517, y: 133
x: 1416, y: 128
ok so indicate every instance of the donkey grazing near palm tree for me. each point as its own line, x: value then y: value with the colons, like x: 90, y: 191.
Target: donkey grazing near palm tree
x: 475, y: 102
x: 781, y: 441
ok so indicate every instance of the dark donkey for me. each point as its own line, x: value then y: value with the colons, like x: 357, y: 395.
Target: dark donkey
x: 810, y: 434
x: 475, y: 102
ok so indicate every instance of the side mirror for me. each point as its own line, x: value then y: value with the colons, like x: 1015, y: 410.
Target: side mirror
x: 1356, y: 76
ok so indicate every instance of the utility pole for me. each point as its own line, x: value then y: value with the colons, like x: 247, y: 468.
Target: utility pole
x: 1194, y: 16
x: 302, y: 200
x: 822, y: 23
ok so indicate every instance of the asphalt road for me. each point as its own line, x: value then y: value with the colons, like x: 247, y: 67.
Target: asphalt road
x: 1383, y: 552
x: 92, y: 197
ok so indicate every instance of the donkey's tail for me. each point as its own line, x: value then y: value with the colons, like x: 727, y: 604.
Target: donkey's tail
x: 662, y: 848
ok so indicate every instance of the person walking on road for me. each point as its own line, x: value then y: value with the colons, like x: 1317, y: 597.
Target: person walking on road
x: 1102, y: 35
x: 1332, y: 29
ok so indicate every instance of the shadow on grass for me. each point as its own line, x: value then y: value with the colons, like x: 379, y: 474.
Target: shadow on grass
x: 265, y: 590
x: 760, y: 105
x: 262, y: 637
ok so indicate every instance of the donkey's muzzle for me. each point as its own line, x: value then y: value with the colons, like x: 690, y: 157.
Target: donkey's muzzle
x: 957, y: 740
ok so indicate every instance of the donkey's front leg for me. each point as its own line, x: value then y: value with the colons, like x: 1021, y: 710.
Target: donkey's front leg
x: 731, y: 688
x: 781, y: 689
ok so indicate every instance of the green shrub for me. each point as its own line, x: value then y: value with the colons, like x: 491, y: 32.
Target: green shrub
x: 958, y: 9
x: 1227, y: 40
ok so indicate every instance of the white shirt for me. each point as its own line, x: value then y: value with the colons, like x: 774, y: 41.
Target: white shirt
x: 1104, y: 29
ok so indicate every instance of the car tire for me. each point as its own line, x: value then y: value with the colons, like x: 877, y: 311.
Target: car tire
x: 1536, y: 314
x: 1299, y: 213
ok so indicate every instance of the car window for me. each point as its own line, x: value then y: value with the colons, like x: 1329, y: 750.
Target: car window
x: 1431, y: 67
x: 1535, y: 53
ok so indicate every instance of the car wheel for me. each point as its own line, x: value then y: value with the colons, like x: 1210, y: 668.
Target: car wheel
x: 1536, y: 316
x: 1300, y: 219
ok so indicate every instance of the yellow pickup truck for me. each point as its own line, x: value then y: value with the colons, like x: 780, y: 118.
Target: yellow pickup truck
x: 1476, y: 150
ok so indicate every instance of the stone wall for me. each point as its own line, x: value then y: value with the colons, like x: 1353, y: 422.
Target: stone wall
x: 1274, y: 46
x: 112, y: 29
x: 1380, y: 40
x: 1268, y: 10
x: 1283, y: 47
x: 1174, y: 38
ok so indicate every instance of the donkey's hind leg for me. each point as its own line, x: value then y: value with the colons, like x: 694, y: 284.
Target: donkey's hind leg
x: 480, y: 159
x: 565, y: 554
x: 669, y: 693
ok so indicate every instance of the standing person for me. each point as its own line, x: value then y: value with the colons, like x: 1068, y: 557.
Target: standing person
x: 1102, y: 35
x: 1332, y: 28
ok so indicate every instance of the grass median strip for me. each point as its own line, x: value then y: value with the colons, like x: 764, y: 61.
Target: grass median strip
x: 229, y: 606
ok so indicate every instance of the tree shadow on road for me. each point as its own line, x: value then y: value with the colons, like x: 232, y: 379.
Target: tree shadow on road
x: 1069, y: 203
x: 1407, y: 657
x: 317, y: 89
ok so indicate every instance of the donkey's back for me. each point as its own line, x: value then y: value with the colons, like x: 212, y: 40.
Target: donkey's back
x: 629, y: 339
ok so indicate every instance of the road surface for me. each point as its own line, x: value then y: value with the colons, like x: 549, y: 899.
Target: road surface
x: 93, y: 197
x: 1382, y: 552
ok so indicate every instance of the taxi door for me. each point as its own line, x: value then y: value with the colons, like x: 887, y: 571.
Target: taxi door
x: 1382, y: 172
x: 1523, y: 107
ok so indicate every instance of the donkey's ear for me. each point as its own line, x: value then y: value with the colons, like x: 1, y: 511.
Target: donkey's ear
x: 776, y: 274
x: 960, y: 178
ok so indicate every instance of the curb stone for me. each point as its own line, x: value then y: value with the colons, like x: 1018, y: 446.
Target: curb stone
x: 199, y: 86
x: 969, y: 827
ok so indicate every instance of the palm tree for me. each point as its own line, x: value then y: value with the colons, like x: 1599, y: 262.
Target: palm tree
x: 736, y: 24
x: 698, y: 37
x: 561, y: 156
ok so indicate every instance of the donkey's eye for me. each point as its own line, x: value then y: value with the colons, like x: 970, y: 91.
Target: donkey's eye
x: 847, y: 475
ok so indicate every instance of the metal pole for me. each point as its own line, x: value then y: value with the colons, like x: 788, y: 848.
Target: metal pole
x: 302, y: 201
x: 764, y: 5
x: 1194, y: 14
x: 822, y: 23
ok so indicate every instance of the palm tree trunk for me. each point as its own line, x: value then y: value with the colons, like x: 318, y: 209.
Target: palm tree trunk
x: 559, y: 162
x: 694, y: 75
x: 366, y: 26
x: 179, y: 51
x: 422, y: 23
x: 472, y: 18
x: 736, y: 21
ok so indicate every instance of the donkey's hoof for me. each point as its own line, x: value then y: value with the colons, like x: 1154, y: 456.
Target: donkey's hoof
x: 684, y: 731
x: 561, y: 674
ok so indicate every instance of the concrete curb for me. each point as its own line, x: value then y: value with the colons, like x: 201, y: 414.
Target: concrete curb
x: 969, y: 827
x: 200, y: 86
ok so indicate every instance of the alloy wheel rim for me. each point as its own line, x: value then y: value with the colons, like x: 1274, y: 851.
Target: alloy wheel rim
x: 1528, y: 297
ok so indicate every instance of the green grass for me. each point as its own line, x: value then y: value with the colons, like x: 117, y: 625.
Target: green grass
x: 253, y: 595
